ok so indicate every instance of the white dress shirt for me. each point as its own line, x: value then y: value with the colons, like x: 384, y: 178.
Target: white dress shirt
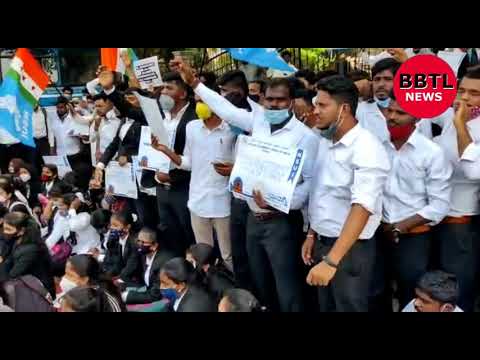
x: 352, y: 171
x: 372, y: 119
x: 470, y: 161
x: 148, y: 262
x: 294, y: 133
x: 419, y: 181
x: 411, y: 307
x: 106, y: 131
x: 209, y: 196
x: 42, y: 125
x: 177, y: 302
x: 65, y: 144
x: 465, y: 192
x: 86, y: 235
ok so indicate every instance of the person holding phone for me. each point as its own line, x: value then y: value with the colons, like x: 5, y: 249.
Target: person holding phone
x: 211, y: 140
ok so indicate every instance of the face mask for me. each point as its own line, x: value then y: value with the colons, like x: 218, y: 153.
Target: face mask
x: 11, y: 170
x: 275, y: 117
x: 332, y: 129
x: 45, y: 178
x: 25, y: 177
x: 203, y: 111
x: 383, y: 103
x: 474, y: 112
x: 68, y: 96
x: 66, y: 284
x: 236, y: 130
x: 116, y: 234
x: 166, y: 102
x: 144, y: 250
x: 169, y: 294
x: 255, y: 98
x: 401, y: 131
x: 11, y: 237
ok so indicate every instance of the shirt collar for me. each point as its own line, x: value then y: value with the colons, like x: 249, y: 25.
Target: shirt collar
x: 349, y: 137
x: 148, y: 261
x: 180, y: 113
x: 413, y: 140
x: 222, y: 126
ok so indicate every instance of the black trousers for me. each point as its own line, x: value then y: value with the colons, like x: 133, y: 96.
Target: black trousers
x: 146, y: 209
x: 349, y: 289
x: 273, y: 264
x: 82, y: 166
x: 174, y: 219
x: 238, y: 234
x: 459, y: 256
x: 42, y: 149
x: 409, y: 261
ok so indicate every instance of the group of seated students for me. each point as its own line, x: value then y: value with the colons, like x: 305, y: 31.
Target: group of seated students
x: 90, y: 254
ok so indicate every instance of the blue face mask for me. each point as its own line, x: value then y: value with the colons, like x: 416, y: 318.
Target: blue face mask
x: 236, y: 130
x: 275, y: 117
x: 332, y: 129
x: 169, y: 294
x: 383, y: 103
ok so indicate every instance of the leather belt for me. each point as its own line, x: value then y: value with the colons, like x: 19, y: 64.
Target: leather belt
x: 421, y: 229
x: 267, y: 216
x: 457, y: 220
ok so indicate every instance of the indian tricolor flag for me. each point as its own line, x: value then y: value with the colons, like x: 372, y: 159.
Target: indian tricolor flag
x: 22, y: 87
x: 110, y: 57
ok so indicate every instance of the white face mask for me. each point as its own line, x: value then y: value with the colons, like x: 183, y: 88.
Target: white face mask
x: 25, y: 177
x: 66, y: 284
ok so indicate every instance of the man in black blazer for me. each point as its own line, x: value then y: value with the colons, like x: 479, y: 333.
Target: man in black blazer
x: 152, y: 259
x: 177, y: 275
x: 173, y: 188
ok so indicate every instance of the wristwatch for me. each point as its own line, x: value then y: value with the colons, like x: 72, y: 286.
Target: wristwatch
x: 329, y: 262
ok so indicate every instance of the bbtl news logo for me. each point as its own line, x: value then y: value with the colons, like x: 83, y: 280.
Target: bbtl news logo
x: 425, y: 86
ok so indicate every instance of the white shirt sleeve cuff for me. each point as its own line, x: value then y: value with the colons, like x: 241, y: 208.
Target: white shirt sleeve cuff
x: 471, y: 153
x: 101, y: 166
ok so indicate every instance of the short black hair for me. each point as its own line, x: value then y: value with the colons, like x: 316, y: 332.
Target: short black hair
x: 88, y: 299
x: 296, y: 84
x: 326, y: 73
x: 124, y: 216
x: 210, y: 79
x: 306, y: 94
x: 440, y: 286
x: 285, y: 82
x: 263, y: 85
x: 100, y: 218
x: 178, y: 270
x: 342, y: 89
x: 101, y: 96
x: 385, y: 64
x: 357, y: 75
x: 241, y: 301
x: 52, y: 167
x: 176, y: 78
x: 235, y: 78
x: 286, y: 52
x: 203, y: 254
x: 151, y: 234
x: 473, y: 72
x: 62, y: 100
x: 67, y: 88
x: 308, y: 75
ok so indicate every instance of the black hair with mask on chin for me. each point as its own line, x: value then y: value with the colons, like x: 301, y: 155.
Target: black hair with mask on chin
x: 342, y: 89
x: 385, y: 64
x: 235, y: 78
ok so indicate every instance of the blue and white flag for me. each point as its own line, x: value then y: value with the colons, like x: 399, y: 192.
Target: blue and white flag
x: 265, y: 57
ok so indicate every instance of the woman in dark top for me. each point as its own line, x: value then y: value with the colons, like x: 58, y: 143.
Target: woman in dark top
x: 11, y: 198
x: 31, y: 185
x: 28, y: 254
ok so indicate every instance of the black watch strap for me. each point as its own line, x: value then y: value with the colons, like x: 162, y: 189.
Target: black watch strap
x: 329, y: 262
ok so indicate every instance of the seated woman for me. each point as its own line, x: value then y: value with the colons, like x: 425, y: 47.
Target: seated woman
x: 86, y: 299
x: 177, y: 276
x: 14, y: 166
x: 122, y: 260
x: 239, y: 300
x: 12, y: 198
x: 28, y: 254
x: 31, y: 186
x: 84, y: 270
x: 71, y: 224
x: 209, y: 269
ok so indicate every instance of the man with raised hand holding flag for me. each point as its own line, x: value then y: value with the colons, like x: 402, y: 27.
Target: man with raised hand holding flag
x: 20, y: 91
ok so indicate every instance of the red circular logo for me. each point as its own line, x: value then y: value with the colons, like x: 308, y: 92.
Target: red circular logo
x: 425, y: 86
